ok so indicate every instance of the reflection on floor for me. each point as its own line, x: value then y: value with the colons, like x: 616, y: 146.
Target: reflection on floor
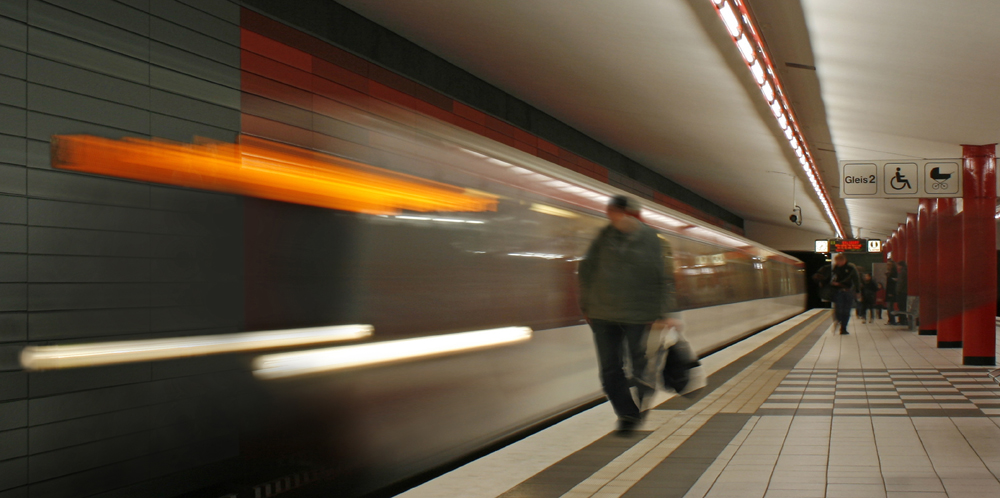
x: 795, y: 411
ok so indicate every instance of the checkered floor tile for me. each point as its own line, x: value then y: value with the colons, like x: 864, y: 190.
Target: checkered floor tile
x: 911, y: 392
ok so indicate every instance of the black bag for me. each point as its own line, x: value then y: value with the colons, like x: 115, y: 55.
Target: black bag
x: 677, y: 369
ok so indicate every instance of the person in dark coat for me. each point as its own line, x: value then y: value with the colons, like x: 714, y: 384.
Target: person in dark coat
x: 847, y: 282
x: 625, y: 290
x: 868, y: 290
x: 890, y: 291
x: 880, y: 299
x: 901, y: 289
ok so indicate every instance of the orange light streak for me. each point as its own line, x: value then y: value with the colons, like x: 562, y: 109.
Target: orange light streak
x: 261, y: 168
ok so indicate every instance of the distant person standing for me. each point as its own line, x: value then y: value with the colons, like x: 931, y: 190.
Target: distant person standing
x: 890, y: 291
x: 624, y: 291
x: 868, y: 291
x: 880, y: 299
x: 846, y: 283
x: 901, y: 290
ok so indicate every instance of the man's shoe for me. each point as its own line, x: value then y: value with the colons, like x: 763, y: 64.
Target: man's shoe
x: 844, y: 332
x: 628, y: 424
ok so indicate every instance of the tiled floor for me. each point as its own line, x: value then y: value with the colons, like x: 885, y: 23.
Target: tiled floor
x: 795, y: 411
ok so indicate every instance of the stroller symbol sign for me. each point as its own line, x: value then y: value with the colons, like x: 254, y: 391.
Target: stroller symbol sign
x: 941, y: 178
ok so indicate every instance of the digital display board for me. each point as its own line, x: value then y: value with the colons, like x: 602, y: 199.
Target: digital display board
x: 848, y: 245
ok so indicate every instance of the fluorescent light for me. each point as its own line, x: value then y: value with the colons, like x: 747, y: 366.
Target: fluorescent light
x: 758, y: 73
x: 553, y: 211
x: 767, y: 90
x: 111, y: 353
x: 788, y: 133
x: 783, y: 122
x: 730, y: 20
x: 280, y: 365
x: 541, y: 255
x: 776, y: 108
x: 745, y: 48
x: 798, y: 152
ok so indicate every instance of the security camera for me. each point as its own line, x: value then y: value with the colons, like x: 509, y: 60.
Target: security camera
x: 796, y: 216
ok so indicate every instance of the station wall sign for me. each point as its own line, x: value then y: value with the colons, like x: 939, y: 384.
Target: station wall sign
x: 848, y: 245
x: 901, y: 179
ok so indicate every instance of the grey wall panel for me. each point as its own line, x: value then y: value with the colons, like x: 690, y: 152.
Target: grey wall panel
x: 13, y: 238
x: 67, y: 23
x: 192, y: 224
x: 142, y: 5
x: 13, y: 62
x: 197, y: 20
x: 110, y: 12
x: 44, y: 126
x: 88, y: 109
x: 67, y: 186
x: 13, y: 209
x: 180, y: 199
x: 194, y: 366
x: 190, y: 109
x: 10, y: 355
x: 183, y: 130
x: 223, y: 9
x: 82, y: 81
x: 18, y: 9
x: 52, y: 297
x: 76, y: 53
x: 43, y: 268
x: 75, y: 215
x: 13, y: 473
x: 183, y: 270
x: 189, y: 318
x: 21, y: 492
x: 13, y: 267
x: 13, y: 443
x: 64, y: 325
x: 82, y: 430
x: 13, y: 297
x: 67, y: 381
x: 13, y: 327
x: 13, y: 180
x: 169, y: 57
x: 194, y: 42
x: 13, y: 414
x: 12, y: 121
x: 39, y: 154
x: 13, y: 34
x: 87, y: 456
x: 13, y: 150
x: 96, y: 480
x: 183, y: 84
x: 13, y: 385
x: 81, y: 404
x: 44, y: 240
x: 13, y: 91
x: 187, y: 293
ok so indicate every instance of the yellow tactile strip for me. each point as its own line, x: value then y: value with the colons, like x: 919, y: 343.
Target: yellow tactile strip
x: 744, y: 393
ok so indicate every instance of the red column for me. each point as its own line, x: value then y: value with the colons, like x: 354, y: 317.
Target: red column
x: 927, y: 234
x: 912, y: 256
x: 979, y: 270
x: 949, y: 260
x: 901, y: 242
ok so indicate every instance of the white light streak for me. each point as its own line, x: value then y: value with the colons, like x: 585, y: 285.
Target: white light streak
x: 116, y: 352
x: 758, y: 73
x: 282, y: 365
x: 745, y: 48
x: 536, y: 255
x: 730, y: 20
x: 767, y: 90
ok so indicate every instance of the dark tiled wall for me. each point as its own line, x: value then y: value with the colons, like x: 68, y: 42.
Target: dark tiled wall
x: 87, y: 258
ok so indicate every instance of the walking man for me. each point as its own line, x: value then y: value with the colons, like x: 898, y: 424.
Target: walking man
x: 624, y: 291
x: 847, y: 284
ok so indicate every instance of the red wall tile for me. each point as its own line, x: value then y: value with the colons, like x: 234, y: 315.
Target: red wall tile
x: 340, y: 75
x: 265, y: 46
x: 275, y: 91
x: 275, y: 70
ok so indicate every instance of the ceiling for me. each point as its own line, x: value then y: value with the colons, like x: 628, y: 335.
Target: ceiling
x: 662, y: 82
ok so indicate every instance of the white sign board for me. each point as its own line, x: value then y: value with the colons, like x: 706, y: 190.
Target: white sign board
x: 874, y: 245
x: 890, y: 179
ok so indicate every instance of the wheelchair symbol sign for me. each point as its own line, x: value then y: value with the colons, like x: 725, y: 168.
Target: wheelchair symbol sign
x: 900, y: 178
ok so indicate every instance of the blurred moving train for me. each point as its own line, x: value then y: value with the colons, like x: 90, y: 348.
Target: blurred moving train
x: 422, y: 273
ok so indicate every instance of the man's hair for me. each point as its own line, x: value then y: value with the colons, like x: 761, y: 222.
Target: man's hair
x: 625, y: 203
x: 839, y: 257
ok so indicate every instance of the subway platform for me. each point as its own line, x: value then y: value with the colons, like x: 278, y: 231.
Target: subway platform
x: 794, y: 411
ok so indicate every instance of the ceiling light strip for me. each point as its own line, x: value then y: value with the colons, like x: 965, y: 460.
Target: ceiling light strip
x: 743, y: 31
